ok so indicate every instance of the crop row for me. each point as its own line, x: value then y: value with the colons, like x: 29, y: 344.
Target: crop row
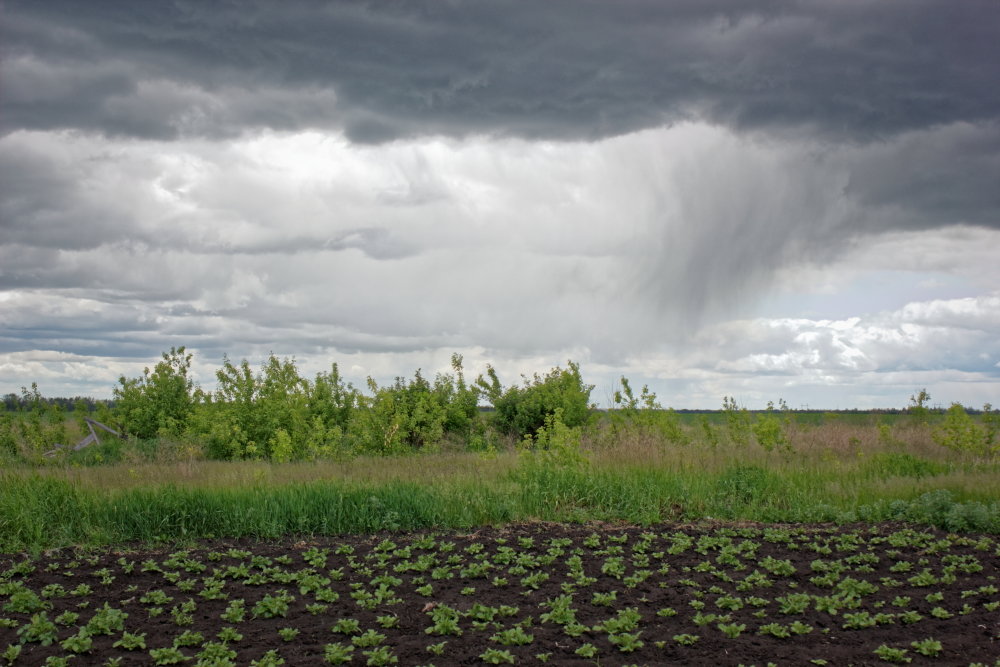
x: 517, y: 595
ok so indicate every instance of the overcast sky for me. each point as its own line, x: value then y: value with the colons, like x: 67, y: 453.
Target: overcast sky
x: 769, y: 199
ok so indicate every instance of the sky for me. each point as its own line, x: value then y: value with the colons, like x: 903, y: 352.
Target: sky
x: 768, y: 200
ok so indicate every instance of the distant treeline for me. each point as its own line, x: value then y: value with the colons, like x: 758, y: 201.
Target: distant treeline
x: 25, y: 401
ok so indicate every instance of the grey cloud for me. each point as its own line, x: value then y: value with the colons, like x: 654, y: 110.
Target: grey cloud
x: 376, y: 242
x: 44, y: 201
x: 927, y: 179
x: 558, y: 70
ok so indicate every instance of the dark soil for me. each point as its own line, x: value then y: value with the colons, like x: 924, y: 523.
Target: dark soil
x: 959, y: 573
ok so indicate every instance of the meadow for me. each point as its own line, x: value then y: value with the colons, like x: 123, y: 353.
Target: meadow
x: 409, y: 524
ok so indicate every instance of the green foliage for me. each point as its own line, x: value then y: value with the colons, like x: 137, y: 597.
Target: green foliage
x: 991, y: 423
x: 78, y: 643
x: 159, y: 403
x: 36, y: 427
x: 169, y: 655
x: 742, y: 485
x: 709, y: 432
x: 415, y: 415
x: 107, y: 621
x: 890, y: 654
x: 883, y: 465
x: 732, y: 630
x: 769, y: 427
x: 251, y: 410
x: 551, y: 456
x: 494, y: 656
x: 738, y: 421
x: 554, y: 446
x: 276, y: 414
x: 960, y: 432
x: 645, y: 415
x: 929, y: 647
x: 11, y: 653
x: 215, y: 654
x: 939, y: 508
x: 522, y: 410
x: 39, y: 630
x: 918, y: 406
x: 131, y: 642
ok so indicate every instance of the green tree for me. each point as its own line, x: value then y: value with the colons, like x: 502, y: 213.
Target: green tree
x: 160, y: 402
x: 252, y: 414
x: 960, y: 432
x: 276, y: 413
x: 81, y: 410
x: 415, y: 414
x: 769, y: 427
x: 522, y: 410
x: 738, y: 422
x: 918, y: 406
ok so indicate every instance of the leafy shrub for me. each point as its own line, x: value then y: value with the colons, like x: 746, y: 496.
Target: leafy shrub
x: 737, y: 421
x: 939, y: 508
x: 555, y: 446
x: 249, y: 409
x: 645, y: 415
x: 35, y: 429
x: 769, y: 428
x: 961, y: 433
x: 159, y: 403
x: 276, y: 414
x: 414, y: 415
x: 918, y: 406
x: 522, y: 410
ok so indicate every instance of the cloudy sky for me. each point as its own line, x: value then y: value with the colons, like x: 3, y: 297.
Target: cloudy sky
x: 794, y: 199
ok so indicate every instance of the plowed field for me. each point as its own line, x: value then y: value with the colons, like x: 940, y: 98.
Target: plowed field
x: 527, y: 594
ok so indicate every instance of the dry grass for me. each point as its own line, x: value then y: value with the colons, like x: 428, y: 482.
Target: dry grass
x: 836, y: 452
x: 423, y: 469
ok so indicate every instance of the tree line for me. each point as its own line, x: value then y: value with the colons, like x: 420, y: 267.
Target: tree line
x: 276, y: 413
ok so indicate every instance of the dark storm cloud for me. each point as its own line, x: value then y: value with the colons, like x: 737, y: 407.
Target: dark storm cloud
x: 560, y: 69
x: 926, y: 180
x: 311, y: 177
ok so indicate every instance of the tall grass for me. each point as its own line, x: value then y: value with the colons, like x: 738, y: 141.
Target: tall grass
x: 837, y: 472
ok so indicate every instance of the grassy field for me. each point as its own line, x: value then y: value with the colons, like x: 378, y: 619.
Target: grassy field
x: 832, y: 472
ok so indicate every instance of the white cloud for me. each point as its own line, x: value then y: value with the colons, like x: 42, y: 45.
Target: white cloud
x: 634, y: 255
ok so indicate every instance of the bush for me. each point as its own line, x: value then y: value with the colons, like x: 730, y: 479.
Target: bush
x: 36, y: 428
x: 961, y: 433
x: 159, y: 403
x: 408, y: 416
x: 522, y: 410
x: 940, y: 509
x: 738, y: 422
x: 645, y: 415
x: 769, y: 427
x: 275, y: 414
